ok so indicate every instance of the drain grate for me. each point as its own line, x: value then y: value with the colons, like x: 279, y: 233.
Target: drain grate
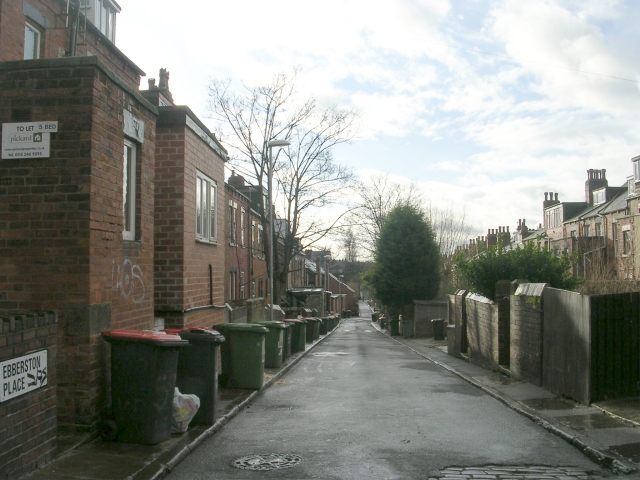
x: 269, y: 461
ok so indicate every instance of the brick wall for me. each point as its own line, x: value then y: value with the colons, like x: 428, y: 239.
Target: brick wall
x: 28, y: 422
x: 55, y: 42
x: 188, y: 272
x: 61, y: 219
x: 526, y: 333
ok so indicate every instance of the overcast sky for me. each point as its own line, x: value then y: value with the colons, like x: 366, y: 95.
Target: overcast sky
x: 484, y: 104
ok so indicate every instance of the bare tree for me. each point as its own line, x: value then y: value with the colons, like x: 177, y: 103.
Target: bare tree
x: 305, y: 175
x: 451, y: 230
x: 376, y: 197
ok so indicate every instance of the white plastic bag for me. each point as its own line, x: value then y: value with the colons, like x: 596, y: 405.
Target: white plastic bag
x: 185, y: 407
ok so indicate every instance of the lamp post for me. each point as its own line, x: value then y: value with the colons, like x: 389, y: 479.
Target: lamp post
x: 341, y: 308
x: 270, y: 145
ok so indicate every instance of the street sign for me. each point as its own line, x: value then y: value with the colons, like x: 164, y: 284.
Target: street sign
x: 27, y: 139
x: 22, y: 375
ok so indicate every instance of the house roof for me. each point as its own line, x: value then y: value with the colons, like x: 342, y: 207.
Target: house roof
x: 619, y: 202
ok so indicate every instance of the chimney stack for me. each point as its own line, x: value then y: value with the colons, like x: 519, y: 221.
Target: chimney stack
x: 595, y: 179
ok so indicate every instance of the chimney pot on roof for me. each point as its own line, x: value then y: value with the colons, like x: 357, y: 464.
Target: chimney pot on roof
x: 556, y: 197
x: 152, y: 83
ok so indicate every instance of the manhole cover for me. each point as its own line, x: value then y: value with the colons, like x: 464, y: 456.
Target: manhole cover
x: 269, y: 461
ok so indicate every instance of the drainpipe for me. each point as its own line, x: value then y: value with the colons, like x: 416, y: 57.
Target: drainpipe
x: 73, y: 12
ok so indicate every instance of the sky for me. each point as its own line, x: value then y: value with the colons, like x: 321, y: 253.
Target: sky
x: 484, y: 104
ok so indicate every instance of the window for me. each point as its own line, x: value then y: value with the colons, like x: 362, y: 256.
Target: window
x: 573, y: 234
x: 129, y: 191
x: 31, y: 41
x: 253, y: 289
x: 636, y: 170
x: 233, y: 226
x: 626, y: 241
x: 598, y: 229
x: 104, y: 17
x: 242, y: 285
x: 599, y: 196
x: 253, y: 236
x: 242, y: 215
x: 587, y: 230
x: 553, y: 217
x: 206, y: 218
x: 631, y: 187
x: 260, y: 240
x: 232, y: 285
x: 614, y: 229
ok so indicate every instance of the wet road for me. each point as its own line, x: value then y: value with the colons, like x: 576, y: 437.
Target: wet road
x: 361, y: 406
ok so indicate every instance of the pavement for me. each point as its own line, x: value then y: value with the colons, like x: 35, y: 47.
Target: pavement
x: 607, y: 432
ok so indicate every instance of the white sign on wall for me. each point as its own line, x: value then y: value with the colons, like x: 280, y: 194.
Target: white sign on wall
x: 22, y: 375
x: 27, y: 139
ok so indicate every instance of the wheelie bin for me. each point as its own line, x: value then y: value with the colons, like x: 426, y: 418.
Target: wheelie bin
x: 243, y: 355
x: 298, y: 334
x: 313, y: 328
x: 438, y: 328
x: 394, y: 326
x: 374, y: 317
x: 286, y: 353
x: 407, y: 328
x: 324, y: 325
x: 274, y: 343
x: 198, y: 369
x: 143, y: 379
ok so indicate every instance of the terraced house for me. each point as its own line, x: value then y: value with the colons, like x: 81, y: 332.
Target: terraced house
x: 111, y: 216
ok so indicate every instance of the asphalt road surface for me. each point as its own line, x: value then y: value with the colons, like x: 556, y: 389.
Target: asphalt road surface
x: 362, y: 406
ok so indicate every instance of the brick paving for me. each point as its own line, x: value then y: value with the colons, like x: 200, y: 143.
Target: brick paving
x: 499, y: 472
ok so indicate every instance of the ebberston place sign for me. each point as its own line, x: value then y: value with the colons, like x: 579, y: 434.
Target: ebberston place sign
x: 22, y: 375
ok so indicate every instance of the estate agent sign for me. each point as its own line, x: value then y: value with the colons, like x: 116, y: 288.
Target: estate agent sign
x: 22, y: 375
x: 27, y: 139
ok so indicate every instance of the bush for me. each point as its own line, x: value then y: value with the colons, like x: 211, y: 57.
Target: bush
x: 530, y: 262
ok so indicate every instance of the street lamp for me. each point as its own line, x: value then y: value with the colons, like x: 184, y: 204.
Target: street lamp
x: 270, y: 145
x: 341, y: 308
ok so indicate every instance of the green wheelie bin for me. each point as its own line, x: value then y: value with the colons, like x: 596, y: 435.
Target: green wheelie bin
x: 407, y: 328
x: 324, y: 325
x: 298, y: 334
x: 274, y: 343
x: 243, y: 355
x: 394, y: 326
x: 313, y: 328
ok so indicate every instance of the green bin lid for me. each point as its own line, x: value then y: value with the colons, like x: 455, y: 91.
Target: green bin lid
x: 273, y: 324
x: 241, y: 327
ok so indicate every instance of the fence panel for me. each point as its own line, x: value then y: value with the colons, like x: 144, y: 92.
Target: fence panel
x: 615, y: 346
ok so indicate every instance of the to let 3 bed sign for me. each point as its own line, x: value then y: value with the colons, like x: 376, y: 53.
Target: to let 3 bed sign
x: 22, y: 375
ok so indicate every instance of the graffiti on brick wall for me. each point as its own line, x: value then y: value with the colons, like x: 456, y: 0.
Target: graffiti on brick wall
x: 127, y: 278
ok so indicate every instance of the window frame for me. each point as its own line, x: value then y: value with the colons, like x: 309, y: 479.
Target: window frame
x: 129, y: 190
x: 242, y: 222
x: 206, y: 221
x: 31, y: 26
x: 626, y: 243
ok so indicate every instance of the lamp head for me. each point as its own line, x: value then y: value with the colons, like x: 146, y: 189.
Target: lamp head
x: 278, y: 143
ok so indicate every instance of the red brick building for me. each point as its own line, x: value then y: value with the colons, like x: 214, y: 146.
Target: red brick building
x: 93, y: 228
x: 189, y: 215
x: 245, y: 258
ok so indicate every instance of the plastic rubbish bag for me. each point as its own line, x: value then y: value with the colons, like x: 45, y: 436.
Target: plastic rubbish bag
x: 185, y: 407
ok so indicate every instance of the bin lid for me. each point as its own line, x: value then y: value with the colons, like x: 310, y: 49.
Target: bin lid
x: 273, y: 324
x: 293, y: 320
x: 244, y: 327
x: 202, y: 334
x: 311, y: 319
x: 160, y: 339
